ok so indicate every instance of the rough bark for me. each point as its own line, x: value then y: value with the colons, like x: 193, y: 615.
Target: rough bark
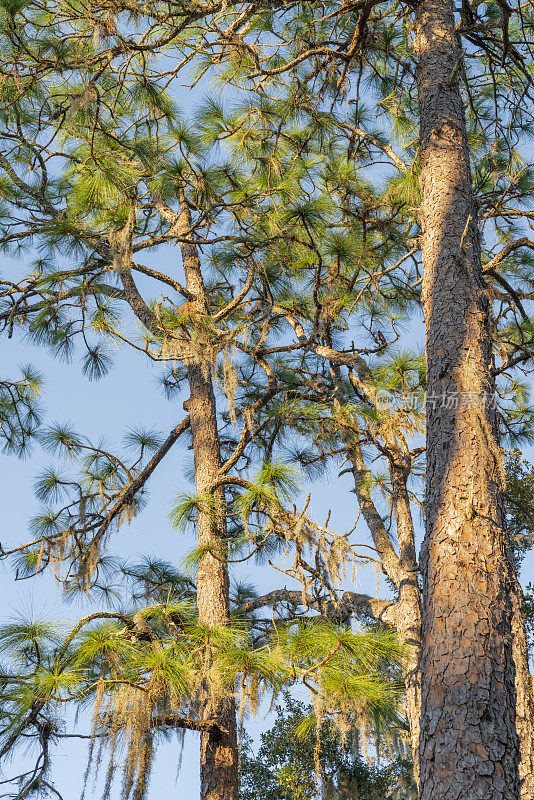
x: 402, y: 567
x: 408, y: 609
x: 406, y: 615
x: 468, y: 743
x: 218, y: 751
x: 218, y: 759
x: 524, y: 696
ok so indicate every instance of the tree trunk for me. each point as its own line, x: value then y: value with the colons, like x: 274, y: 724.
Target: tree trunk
x: 401, y: 569
x: 218, y: 754
x: 408, y: 608
x: 469, y: 746
x: 408, y: 626
x: 524, y: 695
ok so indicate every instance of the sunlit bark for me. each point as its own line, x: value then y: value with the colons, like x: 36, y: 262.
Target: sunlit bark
x: 468, y: 745
x: 218, y: 751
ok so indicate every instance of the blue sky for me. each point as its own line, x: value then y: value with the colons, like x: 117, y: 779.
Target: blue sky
x: 129, y: 396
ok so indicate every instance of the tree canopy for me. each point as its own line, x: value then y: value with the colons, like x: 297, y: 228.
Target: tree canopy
x: 263, y: 249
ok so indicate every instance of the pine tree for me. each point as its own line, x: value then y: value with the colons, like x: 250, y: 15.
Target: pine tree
x: 147, y: 672
x: 445, y: 63
x: 117, y: 192
x: 344, y: 49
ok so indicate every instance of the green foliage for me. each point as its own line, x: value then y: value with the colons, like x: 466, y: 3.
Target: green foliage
x: 189, y: 506
x: 520, y: 525
x: 155, y: 662
x: 294, y: 750
x: 303, y: 202
x: 274, y: 483
x: 20, y: 415
x: 96, y: 362
x: 28, y: 639
x: 519, y: 504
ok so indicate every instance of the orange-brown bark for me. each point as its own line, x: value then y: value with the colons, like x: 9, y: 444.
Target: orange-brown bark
x: 524, y: 697
x: 468, y: 741
x: 218, y: 751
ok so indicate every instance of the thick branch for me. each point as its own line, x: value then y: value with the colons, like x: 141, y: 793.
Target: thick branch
x: 138, y: 482
x: 173, y: 721
x: 361, y: 606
